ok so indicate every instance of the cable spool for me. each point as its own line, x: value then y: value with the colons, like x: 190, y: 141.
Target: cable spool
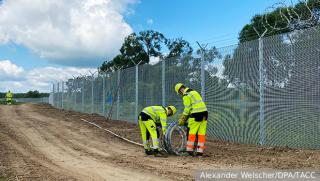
x: 171, y: 142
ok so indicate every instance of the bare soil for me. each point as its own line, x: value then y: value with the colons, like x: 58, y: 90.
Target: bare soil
x: 39, y: 142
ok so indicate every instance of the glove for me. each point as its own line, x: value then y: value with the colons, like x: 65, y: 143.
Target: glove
x: 182, y: 120
x: 164, y: 130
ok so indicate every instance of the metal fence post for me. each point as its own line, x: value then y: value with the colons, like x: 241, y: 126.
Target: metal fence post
x: 261, y: 90
x: 58, y: 99
x: 163, y: 83
x: 62, y: 91
x: 137, y: 90
x: 92, y: 98
x: 104, y: 94
x: 53, y: 104
x: 118, y: 94
x: 202, y: 76
x: 82, y: 99
x: 75, y: 95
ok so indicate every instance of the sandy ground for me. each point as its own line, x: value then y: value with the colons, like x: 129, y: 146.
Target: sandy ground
x: 38, y: 142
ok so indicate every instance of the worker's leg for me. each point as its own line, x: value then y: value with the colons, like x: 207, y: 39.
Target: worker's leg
x: 193, y: 129
x: 202, y: 137
x: 151, y: 127
x: 144, y: 133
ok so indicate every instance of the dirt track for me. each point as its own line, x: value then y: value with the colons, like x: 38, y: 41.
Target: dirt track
x: 38, y: 142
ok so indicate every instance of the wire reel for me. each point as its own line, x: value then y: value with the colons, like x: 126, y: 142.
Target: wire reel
x: 175, y: 144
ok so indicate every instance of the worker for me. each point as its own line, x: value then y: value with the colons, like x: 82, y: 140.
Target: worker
x: 194, y: 116
x: 149, y: 119
x: 9, y: 97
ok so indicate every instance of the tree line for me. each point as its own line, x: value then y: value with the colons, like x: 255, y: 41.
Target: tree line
x: 29, y: 94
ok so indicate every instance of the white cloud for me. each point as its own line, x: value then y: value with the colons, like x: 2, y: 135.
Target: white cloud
x: 154, y: 60
x: 65, y: 31
x: 9, y: 71
x: 220, y: 68
x: 150, y: 21
x: 36, y: 79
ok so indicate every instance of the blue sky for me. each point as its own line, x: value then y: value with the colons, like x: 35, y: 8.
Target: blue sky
x: 211, y: 21
x: 208, y: 21
x: 42, y: 39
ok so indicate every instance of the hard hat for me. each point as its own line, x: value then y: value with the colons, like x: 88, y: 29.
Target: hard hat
x: 177, y: 87
x: 173, y: 110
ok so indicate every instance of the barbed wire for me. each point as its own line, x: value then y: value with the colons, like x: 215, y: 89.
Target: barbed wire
x: 290, y: 18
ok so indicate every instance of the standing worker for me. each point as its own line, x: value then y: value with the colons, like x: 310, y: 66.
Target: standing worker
x: 9, y: 97
x: 149, y: 119
x: 196, y: 114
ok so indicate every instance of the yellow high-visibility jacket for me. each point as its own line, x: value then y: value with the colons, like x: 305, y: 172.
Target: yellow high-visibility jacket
x: 193, y: 102
x: 9, y: 96
x: 158, y: 114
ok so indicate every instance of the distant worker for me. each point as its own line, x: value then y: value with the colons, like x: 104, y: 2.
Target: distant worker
x: 149, y: 119
x: 196, y: 114
x: 9, y: 97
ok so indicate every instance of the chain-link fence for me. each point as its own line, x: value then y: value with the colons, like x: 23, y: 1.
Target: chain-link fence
x: 260, y: 92
x: 30, y: 100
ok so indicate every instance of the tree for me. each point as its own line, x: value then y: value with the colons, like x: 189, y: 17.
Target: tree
x: 178, y: 47
x: 152, y: 42
x: 140, y: 47
x: 282, y: 20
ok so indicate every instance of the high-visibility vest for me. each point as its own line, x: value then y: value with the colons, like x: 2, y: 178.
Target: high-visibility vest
x: 157, y: 113
x: 9, y: 95
x: 193, y: 102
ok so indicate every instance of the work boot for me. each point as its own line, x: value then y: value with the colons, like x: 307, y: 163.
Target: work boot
x: 186, y: 153
x: 202, y: 155
x: 148, y: 151
x: 158, y: 153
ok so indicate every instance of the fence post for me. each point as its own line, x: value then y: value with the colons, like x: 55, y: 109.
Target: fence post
x: 62, y: 87
x: 261, y: 90
x: 75, y: 95
x: 163, y: 83
x: 92, y: 95
x: 203, y: 76
x: 53, y: 104
x: 58, y: 99
x: 118, y: 94
x: 137, y: 90
x: 82, y: 99
x: 104, y: 94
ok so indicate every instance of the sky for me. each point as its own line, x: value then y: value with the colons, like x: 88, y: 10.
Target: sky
x: 42, y: 42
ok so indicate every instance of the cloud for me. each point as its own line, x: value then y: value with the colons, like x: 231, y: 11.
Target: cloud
x: 221, y: 68
x: 9, y: 71
x: 36, y: 79
x: 150, y: 21
x: 65, y: 32
x: 154, y: 60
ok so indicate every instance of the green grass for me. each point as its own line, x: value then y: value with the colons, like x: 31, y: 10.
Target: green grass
x: 5, y: 177
x: 3, y: 102
x: 4, y: 174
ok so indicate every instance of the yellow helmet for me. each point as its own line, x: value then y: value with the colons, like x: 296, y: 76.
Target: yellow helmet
x: 177, y: 87
x: 173, y: 110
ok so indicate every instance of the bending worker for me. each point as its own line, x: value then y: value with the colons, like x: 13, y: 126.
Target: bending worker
x: 196, y: 114
x: 149, y: 119
x: 9, y: 97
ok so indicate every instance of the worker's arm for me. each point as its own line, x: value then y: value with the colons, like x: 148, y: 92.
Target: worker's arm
x: 163, y: 120
x: 187, y: 105
x: 186, y: 111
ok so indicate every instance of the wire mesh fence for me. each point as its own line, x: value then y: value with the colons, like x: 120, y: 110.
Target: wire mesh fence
x: 260, y: 92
